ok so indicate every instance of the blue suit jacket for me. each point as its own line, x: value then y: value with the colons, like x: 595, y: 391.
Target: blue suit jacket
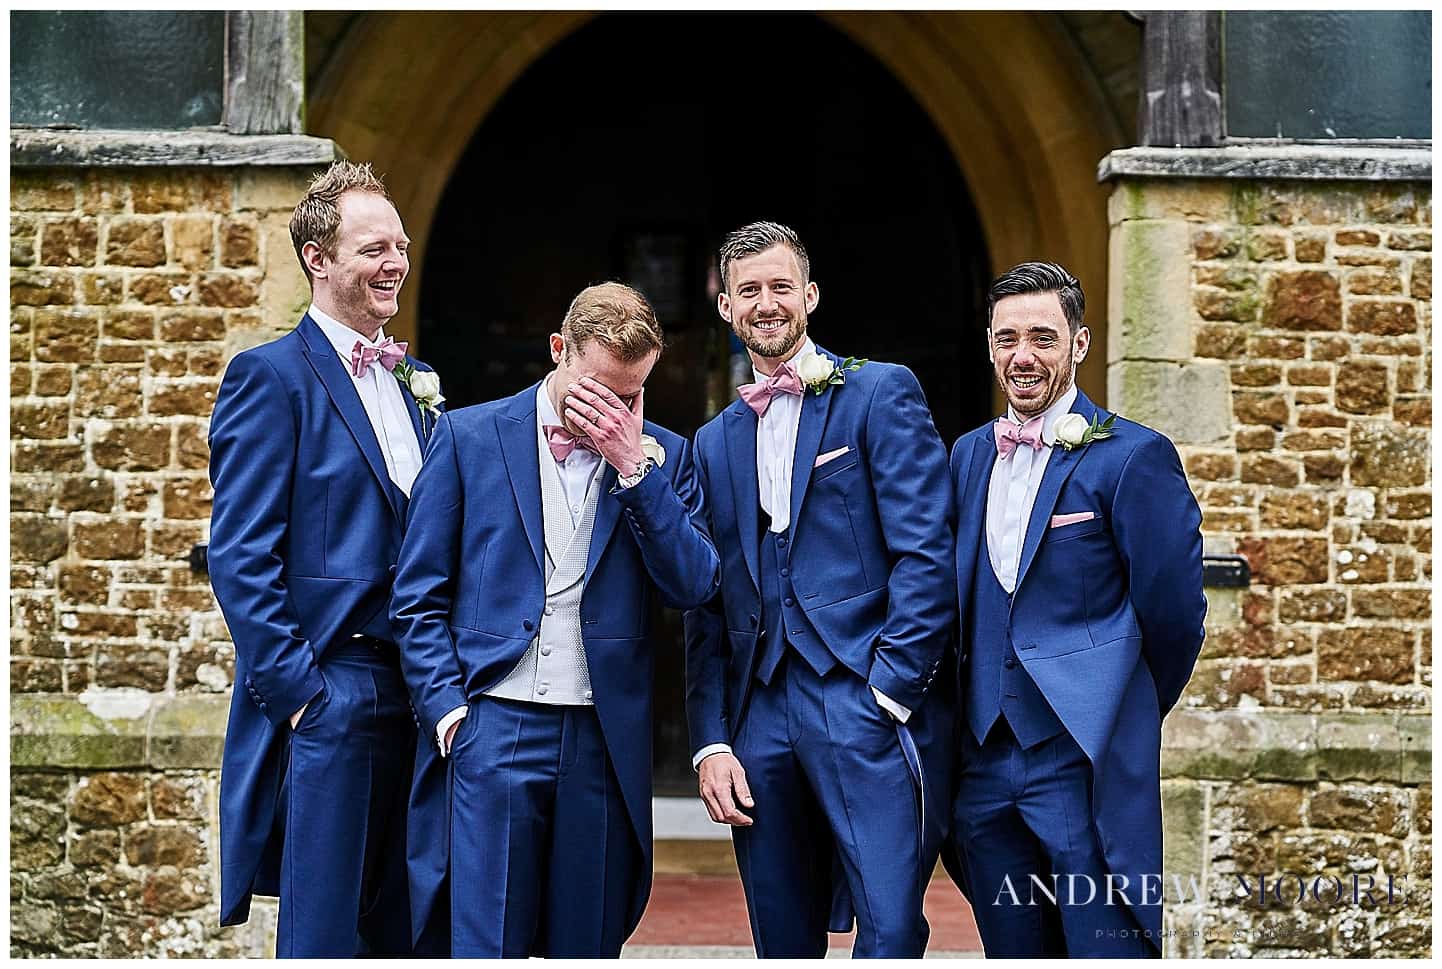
x: 304, y: 531
x: 1106, y: 615
x: 470, y: 591
x: 871, y: 553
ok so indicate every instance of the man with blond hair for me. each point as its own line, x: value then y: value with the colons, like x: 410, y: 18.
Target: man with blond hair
x: 521, y: 605
x: 315, y: 442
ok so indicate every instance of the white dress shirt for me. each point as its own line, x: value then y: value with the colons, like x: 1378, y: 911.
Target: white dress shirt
x: 577, y: 473
x: 775, y: 459
x: 384, y: 404
x: 1012, y: 493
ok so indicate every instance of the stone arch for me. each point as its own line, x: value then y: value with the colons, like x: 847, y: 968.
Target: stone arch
x: 1022, y: 113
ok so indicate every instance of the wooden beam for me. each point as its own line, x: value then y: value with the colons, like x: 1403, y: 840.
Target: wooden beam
x: 1181, y: 92
x: 264, y: 72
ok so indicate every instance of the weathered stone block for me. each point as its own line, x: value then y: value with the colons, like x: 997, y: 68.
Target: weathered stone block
x: 1217, y: 686
x: 37, y: 833
x: 1310, y: 246
x: 191, y: 398
x: 1276, y: 348
x: 120, y: 667
x: 1384, y: 810
x: 1306, y: 300
x: 1269, y: 470
x: 1230, y: 744
x: 112, y: 538
x: 35, y: 538
x: 68, y: 242
x: 188, y: 498
x: 135, y: 242
x: 1370, y: 652
x: 1323, y: 468
x: 1210, y: 466
x: 179, y: 797
x: 41, y: 287
x: 1255, y: 375
x: 1381, y: 317
x: 169, y: 891
x: 165, y: 362
x: 84, y: 584
x: 1393, y: 603
x: 1266, y: 245
x: 1184, y: 830
x: 1295, y: 510
x: 97, y: 848
x: 1325, y: 440
x: 1286, y: 561
x: 1312, y: 605
x: 164, y: 844
x: 1219, y: 304
x: 1362, y: 387
x: 131, y: 447
x: 1421, y: 287
x: 1260, y: 408
x: 1357, y: 237
x: 66, y: 335
x: 187, y: 732
x: 1187, y: 402
x: 193, y: 241
x: 226, y: 289
x: 109, y: 392
x: 1220, y: 341
x: 1256, y: 439
x: 1309, y: 375
x: 1388, y: 456
x: 1359, y: 746
x: 239, y: 242
x: 29, y: 456
x: 191, y: 448
x: 106, y: 800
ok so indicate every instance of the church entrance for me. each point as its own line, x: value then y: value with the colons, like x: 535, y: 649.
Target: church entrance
x: 629, y: 148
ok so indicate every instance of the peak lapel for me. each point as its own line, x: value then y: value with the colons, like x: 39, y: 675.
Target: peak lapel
x: 338, y: 386
x: 740, y: 425
x: 971, y: 513
x: 516, y: 427
x: 1058, y: 468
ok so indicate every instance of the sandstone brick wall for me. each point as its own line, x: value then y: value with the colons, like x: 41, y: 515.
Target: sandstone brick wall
x: 129, y: 289
x: 1281, y: 333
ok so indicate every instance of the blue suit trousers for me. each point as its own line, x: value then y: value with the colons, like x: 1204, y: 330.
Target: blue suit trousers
x: 826, y: 768
x: 1024, y: 812
x: 343, y: 870
x: 543, y: 856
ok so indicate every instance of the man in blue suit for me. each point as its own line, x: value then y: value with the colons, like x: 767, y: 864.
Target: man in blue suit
x: 315, y: 440
x: 1079, y: 573
x: 522, y: 603
x: 820, y: 725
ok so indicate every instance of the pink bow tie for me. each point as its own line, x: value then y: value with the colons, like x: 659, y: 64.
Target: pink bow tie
x: 758, y: 395
x: 388, y: 353
x: 562, y: 442
x: 1009, y: 434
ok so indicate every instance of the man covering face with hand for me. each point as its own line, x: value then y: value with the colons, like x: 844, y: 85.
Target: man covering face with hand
x: 540, y: 527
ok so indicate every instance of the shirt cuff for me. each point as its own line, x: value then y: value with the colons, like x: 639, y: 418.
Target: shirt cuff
x: 897, y: 711
x: 455, y: 716
x: 707, y: 751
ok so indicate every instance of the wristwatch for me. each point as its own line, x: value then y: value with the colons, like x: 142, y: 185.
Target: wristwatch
x: 630, y: 481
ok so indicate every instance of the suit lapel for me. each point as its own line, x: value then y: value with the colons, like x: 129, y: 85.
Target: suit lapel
x: 413, y: 410
x: 516, y: 428
x: 341, y: 389
x: 814, y: 408
x: 1058, y: 468
x: 971, y: 522
x: 740, y: 426
x: 608, y: 512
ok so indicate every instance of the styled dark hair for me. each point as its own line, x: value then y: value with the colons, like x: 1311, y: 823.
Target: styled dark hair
x: 749, y: 240
x: 1040, y: 277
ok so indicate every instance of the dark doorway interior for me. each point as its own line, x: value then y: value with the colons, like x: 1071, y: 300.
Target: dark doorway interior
x: 630, y: 148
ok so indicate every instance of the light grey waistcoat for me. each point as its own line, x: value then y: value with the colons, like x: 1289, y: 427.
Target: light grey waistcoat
x: 553, y: 669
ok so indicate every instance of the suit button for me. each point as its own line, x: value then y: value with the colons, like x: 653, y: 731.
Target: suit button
x: 753, y: 621
x: 588, y: 694
x: 1010, y: 663
x: 785, y: 573
x: 550, y: 610
x: 541, y: 690
x: 545, y: 651
x: 790, y: 602
x: 781, y: 541
x: 528, y: 625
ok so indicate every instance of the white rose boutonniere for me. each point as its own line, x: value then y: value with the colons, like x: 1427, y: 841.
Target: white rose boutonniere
x: 424, y: 385
x: 653, y: 450
x: 1073, y: 430
x: 818, y: 372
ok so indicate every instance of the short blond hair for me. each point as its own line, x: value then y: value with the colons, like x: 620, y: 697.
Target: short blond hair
x: 317, y: 216
x: 615, y: 316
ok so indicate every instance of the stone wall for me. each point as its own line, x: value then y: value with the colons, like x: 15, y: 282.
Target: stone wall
x: 129, y: 289
x: 1281, y: 334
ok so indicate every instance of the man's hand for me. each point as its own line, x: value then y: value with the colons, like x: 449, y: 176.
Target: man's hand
x: 295, y: 717
x: 723, y: 788
x: 614, y: 427
x: 451, y: 734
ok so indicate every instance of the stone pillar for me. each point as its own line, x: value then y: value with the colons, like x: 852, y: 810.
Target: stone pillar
x: 1271, y: 312
x: 130, y: 288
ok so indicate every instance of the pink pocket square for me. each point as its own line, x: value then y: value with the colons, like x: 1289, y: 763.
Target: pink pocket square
x: 830, y: 456
x: 1058, y: 521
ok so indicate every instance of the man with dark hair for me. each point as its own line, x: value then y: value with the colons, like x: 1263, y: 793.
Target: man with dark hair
x: 820, y: 725
x: 1079, y: 574
x: 314, y: 442
x: 541, y: 527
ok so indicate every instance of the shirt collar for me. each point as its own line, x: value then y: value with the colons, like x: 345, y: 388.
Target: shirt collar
x: 806, y: 347
x: 545, y: 410
x: 1051, y: 415
x: 342, y: 337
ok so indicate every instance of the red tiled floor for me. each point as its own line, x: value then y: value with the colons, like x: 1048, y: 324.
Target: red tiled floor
x: 710, y: 910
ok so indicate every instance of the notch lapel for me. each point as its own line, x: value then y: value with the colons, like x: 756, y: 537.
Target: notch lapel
x: 1058, y: 468
x: 521, y: 455
x: 740, y: 426
x: 971, y: 521
x: 814, y: 408
x: 608, y: 512
x: 342, y: 393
